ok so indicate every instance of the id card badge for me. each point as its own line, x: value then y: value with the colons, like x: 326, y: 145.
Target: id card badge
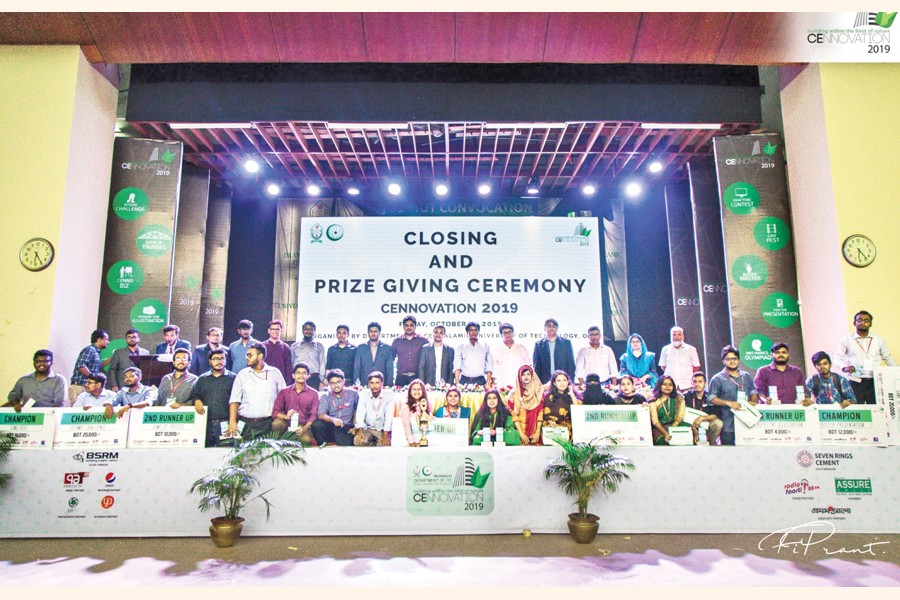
x: 868, y: 366
x: 742, y: 397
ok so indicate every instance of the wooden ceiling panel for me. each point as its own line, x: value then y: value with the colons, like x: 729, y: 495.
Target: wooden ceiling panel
x: 591, y: 37
x: 43, y: 28
x: 755, y: 39
x: 690, y: 38
x: 319, y: 37
x: 409, y: 37
x: 500, y: 37
x: 138, y: 37
x: 229, y: 37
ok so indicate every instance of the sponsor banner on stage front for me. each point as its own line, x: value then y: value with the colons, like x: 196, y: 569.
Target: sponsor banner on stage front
x: 166, y: 428
x: 861, y: 425
x: 450, y: 484
x: 440, y: 432
x: 779, y: 426
x: 887, y: 394
x: 32, y: 428
x: 630, y: 425
x: 79, y: 428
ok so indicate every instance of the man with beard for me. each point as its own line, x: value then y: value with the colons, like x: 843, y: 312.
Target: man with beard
x: 237, y: 351
x: 135, y: 394
x: 374, y: 413
x: 172, y: 341
x: 311, y: 353
x: 211, y: 392
x: 45, y: 386
x: 176, y: 386
x: 679, y: 360
x: 729, y: 389
x: 859, y: 353
x: 341, y: 355
x: 373, y: 356
x: 784, y: 379
x: 301, y: 400
x: 253, y: 395
x: 407, y: 348
x: 200, y: 357
x: 88, y: 362
x: 121, y: 359
x: 278, y: 354
x: 436, y: 360
x: 95, y: 395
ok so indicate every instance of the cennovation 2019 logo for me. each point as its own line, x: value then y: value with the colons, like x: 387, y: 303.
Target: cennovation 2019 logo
x: 865, y: 28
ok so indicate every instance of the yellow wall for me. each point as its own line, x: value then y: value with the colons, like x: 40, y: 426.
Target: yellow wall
x: 37, y: 96
x: 862, y: 124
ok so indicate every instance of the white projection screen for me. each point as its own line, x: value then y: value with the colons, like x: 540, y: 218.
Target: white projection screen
x: 449, y: 271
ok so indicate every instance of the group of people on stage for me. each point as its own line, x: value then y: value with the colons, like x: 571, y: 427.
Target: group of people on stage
x: 244, y: 386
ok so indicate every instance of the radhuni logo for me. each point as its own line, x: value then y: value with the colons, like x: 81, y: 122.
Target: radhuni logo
x: 759, y: 154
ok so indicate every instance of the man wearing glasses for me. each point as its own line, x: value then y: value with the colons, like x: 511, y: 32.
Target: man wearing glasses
x: 729, y: 388
x: 45, y: 386
x: 175, y: 388
x: 472, y: 362
x: 253, y: 395
x: 95, y: 395
x: 858, y: 354
x: 337, y: 409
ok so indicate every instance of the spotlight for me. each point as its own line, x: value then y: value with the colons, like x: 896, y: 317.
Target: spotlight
x: 532, y: 189
x: 353, y: 190
x: 655, y: 167
x: 441, y: 189
x: 633, y: 189
x: 394, y: 189
x: 484, y: 189
x: 588, y: 189
x: 273, y: 189
x: 313, y: 190
x: 251, y: 166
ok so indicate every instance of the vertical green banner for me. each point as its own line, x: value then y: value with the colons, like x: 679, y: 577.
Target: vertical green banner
x: 140, y: 234
x: 215, y: 268
x: 190, y: 251
x: 759, y: 250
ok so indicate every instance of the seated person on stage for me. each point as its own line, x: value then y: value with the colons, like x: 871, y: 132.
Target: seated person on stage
x: 626, y: 392
x: 417, y: 408
x: 526, y: 402
x: 96, y: 395
x: 495, y: 416
x: 46, y: 387
x: 175, y: 388
x: 374, y: 414
x: 826, y: 386
x: 593, y: 391
x: 698, y: 399
x: 299, y: 399
x: 337, y: 409
x: 638, y: 362
x: 451, y: 408
x: 134, y: 394
x: 558, y: 401
x: 729, y: 389
x: 212, y: 390
x: 666, y: 410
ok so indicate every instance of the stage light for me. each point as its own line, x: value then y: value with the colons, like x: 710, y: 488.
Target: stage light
x: 588, y: 189
x: 251, y: 166
x: 533, y: 188
x: 313, y: 190
x: 655, y: 167
x: 394, y: 189
x: 484, y: 189
x: 681, y: 125
x: 353, y: 190
x: 441, y: 189
x: 273, y: 189
x: 633, y: 189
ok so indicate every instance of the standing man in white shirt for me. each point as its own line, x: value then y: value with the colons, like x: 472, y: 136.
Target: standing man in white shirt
x: 597, y: 358
x: 508, y: 357
x: 859, y: 353
x: 679, y: 360
x: 472, y: 362
x: 253, y: 395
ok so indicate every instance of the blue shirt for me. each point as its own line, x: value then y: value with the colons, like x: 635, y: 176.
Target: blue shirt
x: 143, y: 394
x: 725, y: 387
x: 89, y: 357
x: 237, y: 355
x: 824, y: 392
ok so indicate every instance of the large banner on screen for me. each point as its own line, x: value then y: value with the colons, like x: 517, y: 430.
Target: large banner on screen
x: 449, y: 271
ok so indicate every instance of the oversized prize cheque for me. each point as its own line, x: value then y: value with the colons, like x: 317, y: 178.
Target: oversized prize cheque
x: 79, y: 428
x: 856, y: 425
x: 166, y: 428
x: 630, y: 425
x: 781, y: 425
x: 32, y: 429
x: 887, y: 394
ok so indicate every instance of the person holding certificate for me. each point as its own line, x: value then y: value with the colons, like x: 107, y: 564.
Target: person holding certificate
x: 527, y: 404
x: 493, y: 422
x: 666, y: 410
x: 558, y: 401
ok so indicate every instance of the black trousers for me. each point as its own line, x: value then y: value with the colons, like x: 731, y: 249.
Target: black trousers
x: 400, y: 379
x: 325, y: 432
x: 480, y: 380
x: 864, y: 391
x: 254, y: 428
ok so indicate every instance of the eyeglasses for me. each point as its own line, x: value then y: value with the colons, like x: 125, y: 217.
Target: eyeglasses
x: 336, y: 382
x: 731, y: 358
x: 43, y: 360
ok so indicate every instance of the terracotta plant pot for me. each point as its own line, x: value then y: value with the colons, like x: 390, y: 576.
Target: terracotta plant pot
x: 225, y: 532
x: 583, y: 529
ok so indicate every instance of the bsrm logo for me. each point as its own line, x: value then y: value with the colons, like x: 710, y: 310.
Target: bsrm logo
x: 102, y: 455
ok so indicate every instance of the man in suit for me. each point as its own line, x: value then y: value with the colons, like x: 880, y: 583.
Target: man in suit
x: 171, y: 343
x: 374, y: 356
x: 434, y: 354
x: 553, y: 353
x: 121, y: 359
x: 200, y: 357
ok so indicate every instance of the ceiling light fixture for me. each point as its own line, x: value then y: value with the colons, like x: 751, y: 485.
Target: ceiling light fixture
x: 211, y: 125
x: 251, y: 166
x: 441, y: 189
x: 313, y: 190
x: 533, y: 187
x: 484, y: 189
x: 273, y: 189
x: 681, y: 125
x: 633, y: 189
x: 589, y: 189
x: 394, y: 189
x: 655, y: 167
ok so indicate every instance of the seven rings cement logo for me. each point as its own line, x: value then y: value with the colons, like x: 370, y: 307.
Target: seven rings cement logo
x: 805, y: 459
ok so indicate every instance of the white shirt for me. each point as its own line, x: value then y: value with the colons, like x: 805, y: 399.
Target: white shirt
x: 88, y: 399
x: 679, y: 363
x: 507, y: 361
x: 862, y: 353
x: 438, y: 359
x: 600, y: 360
x: 375, y: 413
x: 255, y: 392
x: 473, y: 361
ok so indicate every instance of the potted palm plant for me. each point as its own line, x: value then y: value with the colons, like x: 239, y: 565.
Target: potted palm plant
x: 6, y: 443
x: 230, y: 486
x: 583, y: 468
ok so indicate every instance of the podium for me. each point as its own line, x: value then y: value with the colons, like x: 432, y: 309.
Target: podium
x: 152, y: 368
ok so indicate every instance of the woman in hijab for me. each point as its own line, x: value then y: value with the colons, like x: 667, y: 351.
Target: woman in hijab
x: 527, y: 405
x: 638, y: 362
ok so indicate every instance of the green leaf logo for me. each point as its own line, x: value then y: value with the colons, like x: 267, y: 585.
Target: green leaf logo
x: 216, y: 293
x: 479, y: 480
x: 770, y: 148
x: 168, y: 156
x: 191, y: 281
x: 884, y: 19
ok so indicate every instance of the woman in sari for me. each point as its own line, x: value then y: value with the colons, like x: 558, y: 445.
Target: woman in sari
x: 527, y: 404
x: 496, y: 418
x: 417, y: 408
x: 638, y: 362
x: 666, y: 410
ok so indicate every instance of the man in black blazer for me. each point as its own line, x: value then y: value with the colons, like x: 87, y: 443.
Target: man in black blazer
x: 172, y: 343
x: 563, y: 356
x: 428, y: 360
x: 121, y: 359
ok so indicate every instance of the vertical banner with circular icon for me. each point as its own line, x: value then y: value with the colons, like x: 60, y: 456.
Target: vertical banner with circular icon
x: 140, y: 237
x: 762, y: 274
x: 215, y: 266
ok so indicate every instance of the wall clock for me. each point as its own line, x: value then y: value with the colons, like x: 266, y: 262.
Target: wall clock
x: 36, y: 254
x: 859, y: 250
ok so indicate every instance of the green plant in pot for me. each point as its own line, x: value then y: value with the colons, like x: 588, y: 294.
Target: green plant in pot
x: 584, y: 468
x: 230, y: 487
x: 7, y: 441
